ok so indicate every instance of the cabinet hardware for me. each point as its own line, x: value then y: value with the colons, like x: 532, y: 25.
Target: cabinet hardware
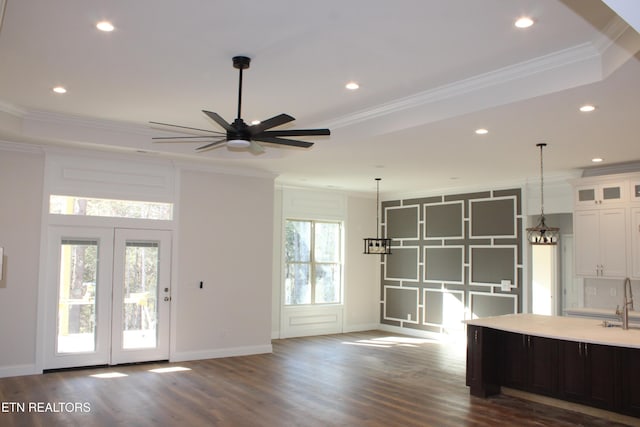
x: 529, y: 341
x: 586, y: 350
x: 580, y: 349
x: 475, y: 336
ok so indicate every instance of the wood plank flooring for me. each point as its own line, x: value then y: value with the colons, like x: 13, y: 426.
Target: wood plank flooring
x: 359, y: 379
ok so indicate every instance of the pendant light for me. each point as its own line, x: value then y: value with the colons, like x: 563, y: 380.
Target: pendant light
x: 541, y: 234
x: 377, y: 245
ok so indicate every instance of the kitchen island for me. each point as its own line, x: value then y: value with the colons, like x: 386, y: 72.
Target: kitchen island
x: 573, y: 359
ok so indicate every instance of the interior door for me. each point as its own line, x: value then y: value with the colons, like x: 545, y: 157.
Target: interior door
x: 141, y: 295
x: 108, y: 296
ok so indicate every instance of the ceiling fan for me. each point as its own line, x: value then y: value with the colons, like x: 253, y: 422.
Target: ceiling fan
x: 241, y: 135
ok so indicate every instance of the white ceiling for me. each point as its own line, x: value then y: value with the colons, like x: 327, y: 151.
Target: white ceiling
x: 430, y: 71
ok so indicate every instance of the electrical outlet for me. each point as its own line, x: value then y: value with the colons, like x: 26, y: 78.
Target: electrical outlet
x: 505, y: 285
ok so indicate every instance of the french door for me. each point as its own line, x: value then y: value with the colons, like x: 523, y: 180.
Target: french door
x: 108, y: 298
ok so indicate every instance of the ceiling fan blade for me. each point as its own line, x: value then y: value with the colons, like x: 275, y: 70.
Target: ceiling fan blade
x: 219, y: 120
x: 211, y: 145
x: 296, y: 132
x: 282, y: 141
x: 176, y: 138
x: 278, y: 120
x: 185, y: 127
x: 256, y: 148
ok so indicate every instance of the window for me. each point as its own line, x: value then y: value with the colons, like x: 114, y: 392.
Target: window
x: 313, y: 262
x: 91, y: 206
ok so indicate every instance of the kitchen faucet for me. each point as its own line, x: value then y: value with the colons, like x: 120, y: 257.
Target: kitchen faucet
x: 628, y: 303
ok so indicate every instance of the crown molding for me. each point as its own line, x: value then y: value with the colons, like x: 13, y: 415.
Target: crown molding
x: 12, y: 109
x: 610, y: 34
x: 20, y: 147
x: 596, y: 48
x: 3, y: 7
x: 521, y: 70
x: 86, y: 122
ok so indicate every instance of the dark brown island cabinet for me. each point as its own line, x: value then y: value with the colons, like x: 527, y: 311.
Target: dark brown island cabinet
x: 559, y: 365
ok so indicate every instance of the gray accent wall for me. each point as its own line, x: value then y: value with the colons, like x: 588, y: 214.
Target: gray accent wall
x: 454, y: 257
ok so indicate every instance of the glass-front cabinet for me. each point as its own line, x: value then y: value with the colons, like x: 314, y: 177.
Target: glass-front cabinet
x: 635, y: 191
x: 601, y: 194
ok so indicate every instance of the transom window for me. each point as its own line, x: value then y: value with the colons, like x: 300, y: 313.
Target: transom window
x: 91, y: 206
x: 313, y: 262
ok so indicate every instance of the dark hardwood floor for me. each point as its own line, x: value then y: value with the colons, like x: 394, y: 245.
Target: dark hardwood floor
x: 357, y: 379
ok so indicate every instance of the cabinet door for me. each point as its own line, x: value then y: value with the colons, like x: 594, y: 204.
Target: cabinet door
x: 586, y: 225
x: 573, y: 373
x: 635, y: 242
x: 543, y: 365
x: 602, y: 362
x: 613, y: 237
x: 514, y: 362
x: 483, y: 348
x: 613, y: 193
x: 587, y: 373
x: 630, y: 375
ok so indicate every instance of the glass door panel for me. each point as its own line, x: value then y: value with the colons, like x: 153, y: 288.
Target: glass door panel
x: 77, y: 296
x: 140, y: 295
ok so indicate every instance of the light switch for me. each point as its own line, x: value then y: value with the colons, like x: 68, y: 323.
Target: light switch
x: 505, y: 285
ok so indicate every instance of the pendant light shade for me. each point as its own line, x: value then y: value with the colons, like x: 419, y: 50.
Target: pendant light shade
x: 541, y: 234
x: 377, y: 245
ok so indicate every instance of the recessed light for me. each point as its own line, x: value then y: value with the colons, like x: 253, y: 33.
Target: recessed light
x: 59, y: 89
x: 105, y: 26
x: 352, y: 86
x: 482, y: 131
x: 587, y: 108
x: 524, y: 22
x: 597, y: 160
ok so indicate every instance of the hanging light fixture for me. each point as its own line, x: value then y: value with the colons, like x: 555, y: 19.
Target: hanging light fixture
x: 377, y: 245
x: 541, y: 234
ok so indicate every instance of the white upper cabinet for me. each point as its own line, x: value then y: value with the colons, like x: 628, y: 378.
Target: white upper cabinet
x: 606, y: 226
x: 593, y: 195
x: 600, y: 248
x: 635, y: 243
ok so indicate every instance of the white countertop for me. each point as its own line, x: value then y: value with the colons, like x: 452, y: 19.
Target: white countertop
x: 564, y: 328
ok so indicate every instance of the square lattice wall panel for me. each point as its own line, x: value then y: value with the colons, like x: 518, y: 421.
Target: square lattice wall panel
x: 454, y: 257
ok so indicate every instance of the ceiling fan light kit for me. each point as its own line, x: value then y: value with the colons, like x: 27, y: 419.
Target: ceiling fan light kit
x: 239, y: 134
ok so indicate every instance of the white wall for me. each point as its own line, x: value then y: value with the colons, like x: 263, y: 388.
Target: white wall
x: 362, y: 272
x: 21, y: 179
x: 225, y: 240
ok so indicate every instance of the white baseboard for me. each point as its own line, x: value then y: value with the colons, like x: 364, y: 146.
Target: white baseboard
x: 362, y: 327
x: 420, y: 334
x: 221, y: 352
x: 18, y: 370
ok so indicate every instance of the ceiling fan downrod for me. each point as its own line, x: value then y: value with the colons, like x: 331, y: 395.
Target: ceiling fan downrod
x: 241, y: 63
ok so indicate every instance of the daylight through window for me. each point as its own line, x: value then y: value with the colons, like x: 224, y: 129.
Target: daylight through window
x: 90, y: 206
x: 313, y: 262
